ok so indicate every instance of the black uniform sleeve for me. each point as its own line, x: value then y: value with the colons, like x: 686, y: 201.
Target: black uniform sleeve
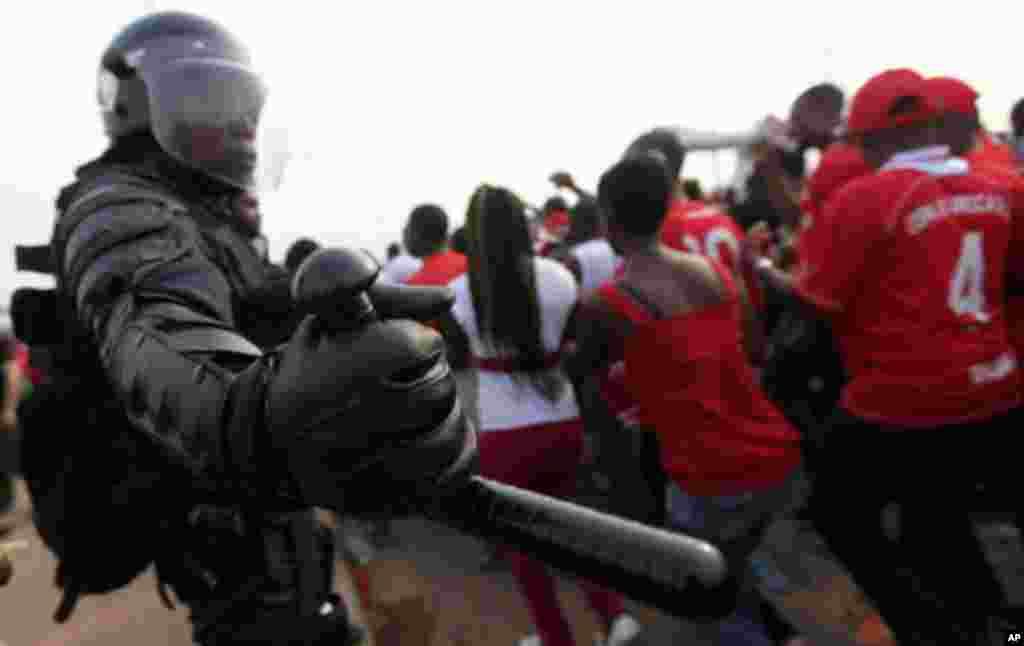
x: 159, y: 311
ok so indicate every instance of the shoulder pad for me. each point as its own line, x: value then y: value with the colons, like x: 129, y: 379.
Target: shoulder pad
x: 108, y: 190
x: 105, y: 191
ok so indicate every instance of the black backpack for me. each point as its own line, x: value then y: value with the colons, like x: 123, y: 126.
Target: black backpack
x: 100, y: 490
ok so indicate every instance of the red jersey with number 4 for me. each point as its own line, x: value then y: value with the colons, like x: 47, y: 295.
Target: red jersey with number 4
x: 690, y: 378
x: 911, y: 261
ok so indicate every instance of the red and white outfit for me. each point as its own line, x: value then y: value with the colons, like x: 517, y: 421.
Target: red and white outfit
x: 910, y: 261
x: 507, y: 403
x: 528, y: 441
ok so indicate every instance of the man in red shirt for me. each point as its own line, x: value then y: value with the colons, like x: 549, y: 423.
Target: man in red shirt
x: 426, y: 237
x: 909, y: 264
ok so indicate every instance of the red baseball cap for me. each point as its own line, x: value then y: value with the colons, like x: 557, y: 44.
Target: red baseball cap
x: 873, y: 106
x: 840, y: 163
x: 953, y: 95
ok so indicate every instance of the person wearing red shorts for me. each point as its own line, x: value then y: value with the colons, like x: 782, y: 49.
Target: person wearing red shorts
x: 513, y: 308
x: 910, y: 264
x: 685, y: 329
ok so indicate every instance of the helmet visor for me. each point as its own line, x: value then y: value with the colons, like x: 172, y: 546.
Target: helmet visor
x: 207, y: 113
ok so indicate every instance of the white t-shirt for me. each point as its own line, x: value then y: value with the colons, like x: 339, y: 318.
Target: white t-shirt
x: 400, y: 268
x: 598, y: 264
x: 503, y: 402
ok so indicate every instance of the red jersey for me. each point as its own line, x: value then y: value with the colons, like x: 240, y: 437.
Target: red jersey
x: 987, y: 151
x: 696, y: 227
x: 439, y: 269
x: 911, y: 261
x: 690, y: 377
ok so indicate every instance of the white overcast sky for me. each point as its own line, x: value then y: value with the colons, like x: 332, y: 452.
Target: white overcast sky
x: 389, y: 104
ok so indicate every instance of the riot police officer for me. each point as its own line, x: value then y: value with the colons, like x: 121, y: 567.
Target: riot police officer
x: 204, y: 448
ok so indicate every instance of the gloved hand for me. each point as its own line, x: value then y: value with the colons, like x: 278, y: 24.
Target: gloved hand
x: 365, y: 410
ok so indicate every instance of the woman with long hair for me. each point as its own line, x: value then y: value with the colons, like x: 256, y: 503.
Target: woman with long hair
x: 514, y: 308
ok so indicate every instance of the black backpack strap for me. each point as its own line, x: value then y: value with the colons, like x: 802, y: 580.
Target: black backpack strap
x: 642, y: 299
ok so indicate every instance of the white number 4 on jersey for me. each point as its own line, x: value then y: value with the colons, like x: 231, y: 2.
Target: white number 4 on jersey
x: 967, y: 285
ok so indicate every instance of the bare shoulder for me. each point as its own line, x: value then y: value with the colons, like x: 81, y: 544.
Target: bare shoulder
x: 697, y: 278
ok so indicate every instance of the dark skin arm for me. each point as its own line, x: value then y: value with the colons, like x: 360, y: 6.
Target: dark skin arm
x: 753, y: 335
x: 8, y: 417
x: 754, y: 255
x: 783, y: 190
x: 562, y: 179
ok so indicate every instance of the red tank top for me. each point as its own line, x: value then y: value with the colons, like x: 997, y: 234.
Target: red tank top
x: 693, y: 385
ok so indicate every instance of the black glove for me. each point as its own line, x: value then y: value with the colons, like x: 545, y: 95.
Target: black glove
x: 366, y: 411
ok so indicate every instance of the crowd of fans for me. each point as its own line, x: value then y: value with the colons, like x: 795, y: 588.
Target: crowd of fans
x: 788, y: 343
x: 716, y: 352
